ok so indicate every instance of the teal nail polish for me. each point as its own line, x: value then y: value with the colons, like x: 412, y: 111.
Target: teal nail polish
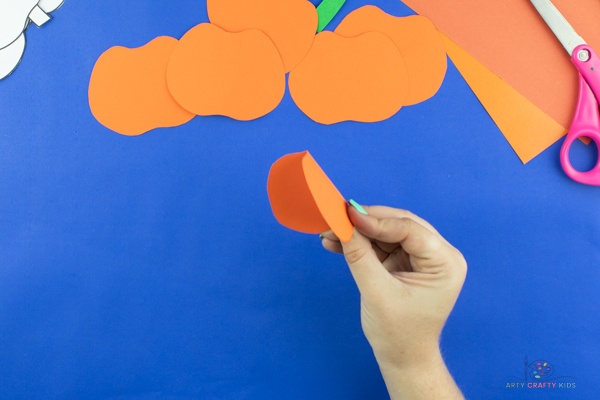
x: 321, y: 236
x: 357, y: 206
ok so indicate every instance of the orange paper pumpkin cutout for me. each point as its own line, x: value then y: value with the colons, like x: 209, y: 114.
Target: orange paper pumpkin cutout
x: 417, y: 39
x: 213, y: 72
x: 128, y: 90
x: 304, y: 199
x: 290, y: 24
x: 360, y: 79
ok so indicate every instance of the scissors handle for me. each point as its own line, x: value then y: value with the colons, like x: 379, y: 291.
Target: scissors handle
x: 587, y: 62
x: 586, y: 122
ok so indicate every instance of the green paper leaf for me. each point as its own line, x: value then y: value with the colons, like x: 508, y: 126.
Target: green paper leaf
x: 326, y: 11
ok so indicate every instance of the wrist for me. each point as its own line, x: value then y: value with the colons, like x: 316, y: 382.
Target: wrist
x: 425, y: 377
x: 408, y: 355
x: 413, y: 360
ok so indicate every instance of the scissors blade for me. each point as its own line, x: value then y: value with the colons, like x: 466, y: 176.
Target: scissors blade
x: 559, y: 25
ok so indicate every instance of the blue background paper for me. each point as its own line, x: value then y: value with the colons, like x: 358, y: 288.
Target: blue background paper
x: 151, y: 267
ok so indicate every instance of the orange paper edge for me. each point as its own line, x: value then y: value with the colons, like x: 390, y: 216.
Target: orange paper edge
x: 527, y: 128
x: 290, y: 24
x: 330, y: 201
x: 412, y: 34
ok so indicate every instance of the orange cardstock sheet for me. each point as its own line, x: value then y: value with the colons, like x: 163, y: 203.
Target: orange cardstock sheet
x: 362, y: 78
x: 528, y: 130
x: 128, y: 90
x: 214, y: 72
x: 426, y: 69
x: 511, y: 39
x: 304, y: 199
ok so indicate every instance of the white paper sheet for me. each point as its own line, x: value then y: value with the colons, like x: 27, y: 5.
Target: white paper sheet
x: 11, y: 55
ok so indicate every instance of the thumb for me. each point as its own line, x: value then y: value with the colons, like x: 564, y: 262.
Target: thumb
x: 368, y: 272
x: 428, y: 252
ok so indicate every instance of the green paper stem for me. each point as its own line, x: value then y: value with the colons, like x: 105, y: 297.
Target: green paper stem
x: 326, y: 11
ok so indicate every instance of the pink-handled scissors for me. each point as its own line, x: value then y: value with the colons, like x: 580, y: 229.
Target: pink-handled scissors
x: 586, y: 121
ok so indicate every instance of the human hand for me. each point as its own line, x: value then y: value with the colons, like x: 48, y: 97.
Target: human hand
x: 409, y: 278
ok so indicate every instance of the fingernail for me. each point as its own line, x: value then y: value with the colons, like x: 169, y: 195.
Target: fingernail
x: 357, y: 207
x: 321, y: 236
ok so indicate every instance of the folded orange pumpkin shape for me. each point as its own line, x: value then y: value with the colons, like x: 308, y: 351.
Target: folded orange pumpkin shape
x: 363, y: 78
x: 214, y: 72
x: 416, y: 38
x: 304, y: 199
x: 128, y: 91
x: 290, y: 24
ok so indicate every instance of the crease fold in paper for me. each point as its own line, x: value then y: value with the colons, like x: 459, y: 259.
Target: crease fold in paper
x: 304, y: 199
